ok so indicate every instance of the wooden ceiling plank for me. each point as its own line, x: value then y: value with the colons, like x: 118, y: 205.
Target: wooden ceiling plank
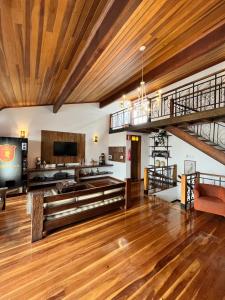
x: 123, y: 47
x: 77, y: 45
x: 209, y: 42
x: 110, y: 26
x: 118, y: 68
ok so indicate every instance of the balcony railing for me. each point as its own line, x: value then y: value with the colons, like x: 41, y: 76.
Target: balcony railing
x: 200, y: 95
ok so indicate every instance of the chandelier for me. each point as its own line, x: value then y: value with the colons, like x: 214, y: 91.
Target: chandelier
x: 125, y: 103
x: 142, y: 89
x: 142, y: 101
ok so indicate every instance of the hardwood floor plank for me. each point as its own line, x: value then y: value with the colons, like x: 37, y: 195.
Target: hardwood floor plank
x: 153, y: 251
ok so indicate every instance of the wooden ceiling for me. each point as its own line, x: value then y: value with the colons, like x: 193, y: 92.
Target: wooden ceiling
x: 68, y: 51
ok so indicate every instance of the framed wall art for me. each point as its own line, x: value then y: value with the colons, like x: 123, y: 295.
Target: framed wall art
x: 189, y: 167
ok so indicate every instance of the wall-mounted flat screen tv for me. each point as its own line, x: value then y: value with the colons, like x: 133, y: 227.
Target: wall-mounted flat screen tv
x: 65, y: 149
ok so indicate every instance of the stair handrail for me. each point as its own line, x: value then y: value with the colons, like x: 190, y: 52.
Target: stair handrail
x: 213, y: 134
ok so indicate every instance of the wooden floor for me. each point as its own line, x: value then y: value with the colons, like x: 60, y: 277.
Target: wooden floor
x: 153, y: 251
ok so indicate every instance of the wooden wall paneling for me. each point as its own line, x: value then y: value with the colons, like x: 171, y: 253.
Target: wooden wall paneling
x: 49, y: 137
x: 117, y: 153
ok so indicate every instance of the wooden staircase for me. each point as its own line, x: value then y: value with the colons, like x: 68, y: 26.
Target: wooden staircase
x: 207, y: 146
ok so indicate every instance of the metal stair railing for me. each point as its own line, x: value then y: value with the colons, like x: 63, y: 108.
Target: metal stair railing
x: 213, y: 132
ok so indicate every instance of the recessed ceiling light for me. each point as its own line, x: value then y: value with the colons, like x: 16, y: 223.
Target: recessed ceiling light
x: 142, y: 48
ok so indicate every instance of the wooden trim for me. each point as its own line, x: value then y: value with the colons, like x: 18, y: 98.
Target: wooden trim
x: 37, y: 217
x: 146, y: 180
x: 184, y: 190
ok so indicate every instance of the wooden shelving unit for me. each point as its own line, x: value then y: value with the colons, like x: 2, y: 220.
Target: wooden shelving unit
x: 49, y: 180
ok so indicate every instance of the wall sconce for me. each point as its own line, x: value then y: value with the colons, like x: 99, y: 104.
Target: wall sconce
x: 95, y: 139
x: 22, y: 134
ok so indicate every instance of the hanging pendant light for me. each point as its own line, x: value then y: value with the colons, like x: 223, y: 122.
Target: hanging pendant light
x: 159, y: 97
x: 125, y: 103
x: 142, y: 98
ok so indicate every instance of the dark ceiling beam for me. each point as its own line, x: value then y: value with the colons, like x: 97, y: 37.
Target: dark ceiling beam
x: 215, y: 114
x: 206, y: 44
x: 118, y: 14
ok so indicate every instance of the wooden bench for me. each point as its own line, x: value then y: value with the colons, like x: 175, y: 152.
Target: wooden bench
x: 53, y: 212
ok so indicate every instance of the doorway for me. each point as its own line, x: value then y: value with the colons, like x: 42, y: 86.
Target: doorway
x: 136, y: 157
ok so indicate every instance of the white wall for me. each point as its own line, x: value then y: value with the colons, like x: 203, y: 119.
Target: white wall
x: 78, y: 118
x: 206, y: 72
x: 181, y: 150
x: 119, y: 168
x: 123, y: 170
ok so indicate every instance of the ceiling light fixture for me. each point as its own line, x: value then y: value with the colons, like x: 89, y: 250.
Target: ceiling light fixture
x: 125, y: 103
x: 159, y: 96
x: 142, y: 98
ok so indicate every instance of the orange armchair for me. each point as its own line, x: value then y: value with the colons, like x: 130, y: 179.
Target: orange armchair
x: 209, y: 198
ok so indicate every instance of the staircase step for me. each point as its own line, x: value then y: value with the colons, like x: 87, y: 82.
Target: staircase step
x: 219, y: 148
x: 209, y: 142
